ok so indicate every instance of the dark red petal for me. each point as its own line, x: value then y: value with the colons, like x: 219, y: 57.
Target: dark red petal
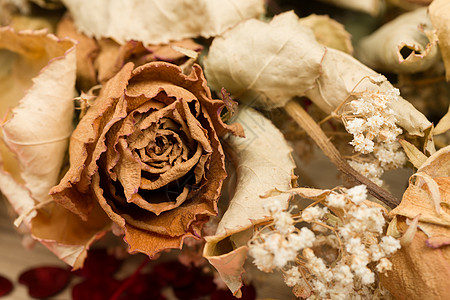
x: 95, y: 290
x: 174, y: 274
x: 202, y: 286
x: 6, y: 286
x: 144, y: 287
x: 248, y: 293
x: 99, y: 264
x: 47, y: 281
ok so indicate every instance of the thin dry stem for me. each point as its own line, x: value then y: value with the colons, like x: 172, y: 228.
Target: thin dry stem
x: 316, y: 133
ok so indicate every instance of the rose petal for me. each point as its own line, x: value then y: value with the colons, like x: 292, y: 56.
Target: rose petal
x: 99, y: 264
x: 45, y: 281
x: 93, y: 290
x: 6, y: 286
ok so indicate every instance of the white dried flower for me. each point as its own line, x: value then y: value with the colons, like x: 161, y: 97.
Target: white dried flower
x: 313, y: 213
x: 356, y: 126
x: 336, y: 200
x: 304, y: 239
x: 384, y: 265
x: 292, y: 276
x: 357, y: 193
x: 389, y: 244
x: 262, y: 258
x: 376, y: 252
x: 273, y: 206
x: 284, y: 222
x: 362, y: 144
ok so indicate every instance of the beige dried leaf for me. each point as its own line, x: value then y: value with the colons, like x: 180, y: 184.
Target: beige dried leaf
x: 371, y: 7
x: 38, y: 80
x: 439, y: 12
x: 415, y: 156
x: 342, y: 75
x: 286, y: 62
x: 329, y: 32
x: 263, y: 162
x: 38, y: 86
x: 404, y: 45
x: 159, y: 21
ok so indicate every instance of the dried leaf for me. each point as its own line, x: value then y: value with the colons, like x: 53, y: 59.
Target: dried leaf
x: 418, y: 272
x: 36, y: 132
x: 371, y: 7
x: 287, y: 61
x: 342, y: 74
x: 422, y: 268
x: 159, y: 21
x: 87, y: 51
x: 415, y: 156
x: 329, y: 32
x: 439, y: 12
x: 404, y: 45
x: 263, y: 162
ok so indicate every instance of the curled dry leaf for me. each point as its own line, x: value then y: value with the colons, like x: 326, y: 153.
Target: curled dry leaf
x: 329, y: 32
x: 368, y: 6
x: 37, y: 82
x: 439, y: 12
x: 263, y: 162
x: 148, y: 153
x: 405, y: 45
x: 287, y: 61
x: 421, y: 269
x: 159, y: 21
x: 98, y: 61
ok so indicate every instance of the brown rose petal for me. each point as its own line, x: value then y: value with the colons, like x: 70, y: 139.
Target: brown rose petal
x: 148, y: 152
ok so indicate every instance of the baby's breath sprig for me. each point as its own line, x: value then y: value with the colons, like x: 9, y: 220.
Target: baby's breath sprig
x: 333, y: 249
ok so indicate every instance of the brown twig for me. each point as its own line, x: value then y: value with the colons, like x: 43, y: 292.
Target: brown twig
x: 296, y: 111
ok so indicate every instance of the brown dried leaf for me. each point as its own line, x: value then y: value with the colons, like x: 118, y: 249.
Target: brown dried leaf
x: 263, y: 162
x: 419, y: 272
x: 404, y: 45
x: 439, y: 12
x: 160, y: 21
x: 421, y: 269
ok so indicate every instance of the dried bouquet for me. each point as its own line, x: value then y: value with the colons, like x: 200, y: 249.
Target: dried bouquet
x: 298, y: 147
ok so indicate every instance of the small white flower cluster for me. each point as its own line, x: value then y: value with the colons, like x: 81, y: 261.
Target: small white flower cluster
x: 276, y: 248
x: 373, y: 127
x: 338, y: 257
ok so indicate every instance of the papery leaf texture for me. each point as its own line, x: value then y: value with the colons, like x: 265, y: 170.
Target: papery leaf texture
x: 439, y: 12
x: 404, y: 45
x: 421, y: 269
x: 38, y: 79
x: 287, y: 62
x: 263, y: 162
x: 159, y: 21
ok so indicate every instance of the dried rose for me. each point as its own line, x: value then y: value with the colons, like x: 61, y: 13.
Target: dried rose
x: 148, y: 152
